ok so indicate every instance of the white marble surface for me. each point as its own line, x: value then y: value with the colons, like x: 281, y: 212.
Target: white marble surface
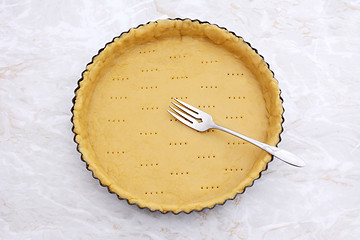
x: 45, y: 191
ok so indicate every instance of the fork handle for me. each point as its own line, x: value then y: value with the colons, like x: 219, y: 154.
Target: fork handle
x: 281, y: 154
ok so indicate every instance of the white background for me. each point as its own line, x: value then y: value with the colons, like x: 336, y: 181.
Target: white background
x: 45, y: 190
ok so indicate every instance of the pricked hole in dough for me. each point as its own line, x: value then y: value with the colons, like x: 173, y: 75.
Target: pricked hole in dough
x: 148, y: 133
x: 116, y: 120
x: 231, y: 169
x: 117, y: 152
x: 206, y: 156
x: 116, y: 98
x: 208, y: 106
x: 234, y: 74
x: 236, y: 97
x: 179, y: 173
x: 149, y: 108
x: 179, y: 77
x: 236, y: 143
x: 177, y: 143
x: 209, y: 187
x: 177, y: 56
x: 209, y: 61
x: 147, y: 87
x: 178, y: 98
x: 233, y: 117
x: 155, y: 193
x: 120, y: 78
x: 149, y: 51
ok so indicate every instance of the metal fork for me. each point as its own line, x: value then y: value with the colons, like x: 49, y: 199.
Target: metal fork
x: 190, y: 115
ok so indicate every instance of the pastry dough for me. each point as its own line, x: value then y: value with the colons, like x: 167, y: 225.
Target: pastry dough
x: 140, y: 151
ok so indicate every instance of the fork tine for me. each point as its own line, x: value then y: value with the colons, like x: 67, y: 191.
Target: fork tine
x: 191, y: 113
x: 189, y: 106
x: 187, y: 117
x: 187, y: 123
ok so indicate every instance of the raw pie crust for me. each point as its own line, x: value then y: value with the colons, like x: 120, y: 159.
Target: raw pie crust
x: 138, y: 150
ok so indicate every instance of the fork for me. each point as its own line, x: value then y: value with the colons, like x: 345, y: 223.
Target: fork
x: 190, y: 115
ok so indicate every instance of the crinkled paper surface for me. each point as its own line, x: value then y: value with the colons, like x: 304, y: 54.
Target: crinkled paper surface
x: 45, y: 190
